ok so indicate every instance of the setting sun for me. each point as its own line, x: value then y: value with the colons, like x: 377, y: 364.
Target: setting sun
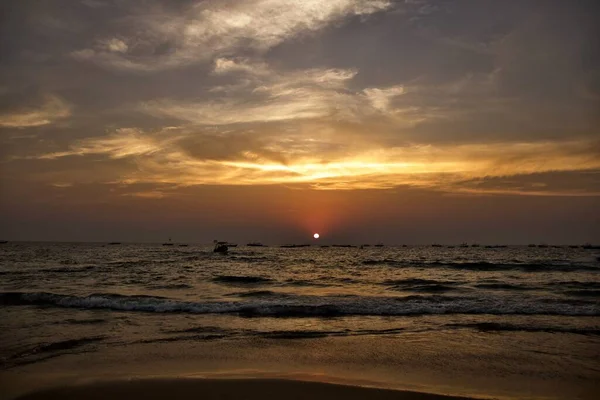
x: 164, y: 162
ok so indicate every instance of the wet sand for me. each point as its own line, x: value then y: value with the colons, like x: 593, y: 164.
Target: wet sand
x: 403, y: 367
x: 251, y: 389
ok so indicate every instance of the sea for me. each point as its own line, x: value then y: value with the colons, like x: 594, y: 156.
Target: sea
x: 502, y: 320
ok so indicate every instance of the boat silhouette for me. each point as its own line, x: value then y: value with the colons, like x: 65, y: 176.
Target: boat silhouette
x: 220, y: 247
x: 589, y: 246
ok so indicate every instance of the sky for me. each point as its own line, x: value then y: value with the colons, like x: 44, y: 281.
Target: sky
x: 395, y: 121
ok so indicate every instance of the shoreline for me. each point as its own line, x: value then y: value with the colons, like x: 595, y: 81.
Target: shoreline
x: 225, y: 388
x: 414, y: 363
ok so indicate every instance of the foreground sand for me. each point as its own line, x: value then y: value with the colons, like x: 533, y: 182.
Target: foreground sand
x: 187, y: 388
x: 485, y: 366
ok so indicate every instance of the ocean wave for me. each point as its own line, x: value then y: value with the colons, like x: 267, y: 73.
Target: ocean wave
x: 170, y: 286
x: 259, y: 293
x: 504, y: 286
x: 17, y: 272
x: 422, y: 285
x: 203, y: 329
x: 93, y: 321
x: 486, y: 265
x: 297, y: 334
x: 583, y: 293
x: 181, y: 338
x: 315, y: 334
x: 501, y: 327
x: 250, y: 259
x: 212, y: 333
x: 313, y: 306
x: 244, y: 280
x: 338, y: 280
x: 44, y: 351
x: 576, y: 284
x: 66, y: 270
x: 302, y: 282
x: 63, y: 345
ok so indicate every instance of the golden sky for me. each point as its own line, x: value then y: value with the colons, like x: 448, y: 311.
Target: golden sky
x: 312, y: 114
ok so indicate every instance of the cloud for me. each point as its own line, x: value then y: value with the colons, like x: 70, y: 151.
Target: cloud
x: 261, y: 94
x: 51, y: 110
x: 268, y: 97
x: 116, y: 45
x: 162, y: 39
x: 449, y: 101
x: 226, y: 66
x: 165, y: 157
x: 380, y: 98
x: 124, y: 142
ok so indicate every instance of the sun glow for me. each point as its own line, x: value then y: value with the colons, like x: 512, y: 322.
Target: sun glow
x: 158, y: 159
x: 316, y: 235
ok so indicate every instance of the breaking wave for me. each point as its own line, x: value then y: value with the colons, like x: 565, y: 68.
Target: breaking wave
x: 312, y: 306
x: 500, y: 327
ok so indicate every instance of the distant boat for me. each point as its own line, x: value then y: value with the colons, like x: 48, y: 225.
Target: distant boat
x: 255, y: 244
x: 379, y: 245
x: 169, y: 243
x: 225, y: 243
x: 114, y: 243
x: 464, y: 244
x: 474, y: 245
x: 589, y: 246
x: 3, y: 241
x: 436, y: 245
x: 542, y: 246
x: 220, y: 248
x: 183, y: 245
x: 532, y: 245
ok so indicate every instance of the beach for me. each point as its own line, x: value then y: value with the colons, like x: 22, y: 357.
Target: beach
x: 259, y: 389
x: 88, y: 320
x: 310, y: 199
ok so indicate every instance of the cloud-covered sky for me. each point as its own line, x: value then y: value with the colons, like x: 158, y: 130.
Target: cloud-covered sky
x: 312, y: 114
